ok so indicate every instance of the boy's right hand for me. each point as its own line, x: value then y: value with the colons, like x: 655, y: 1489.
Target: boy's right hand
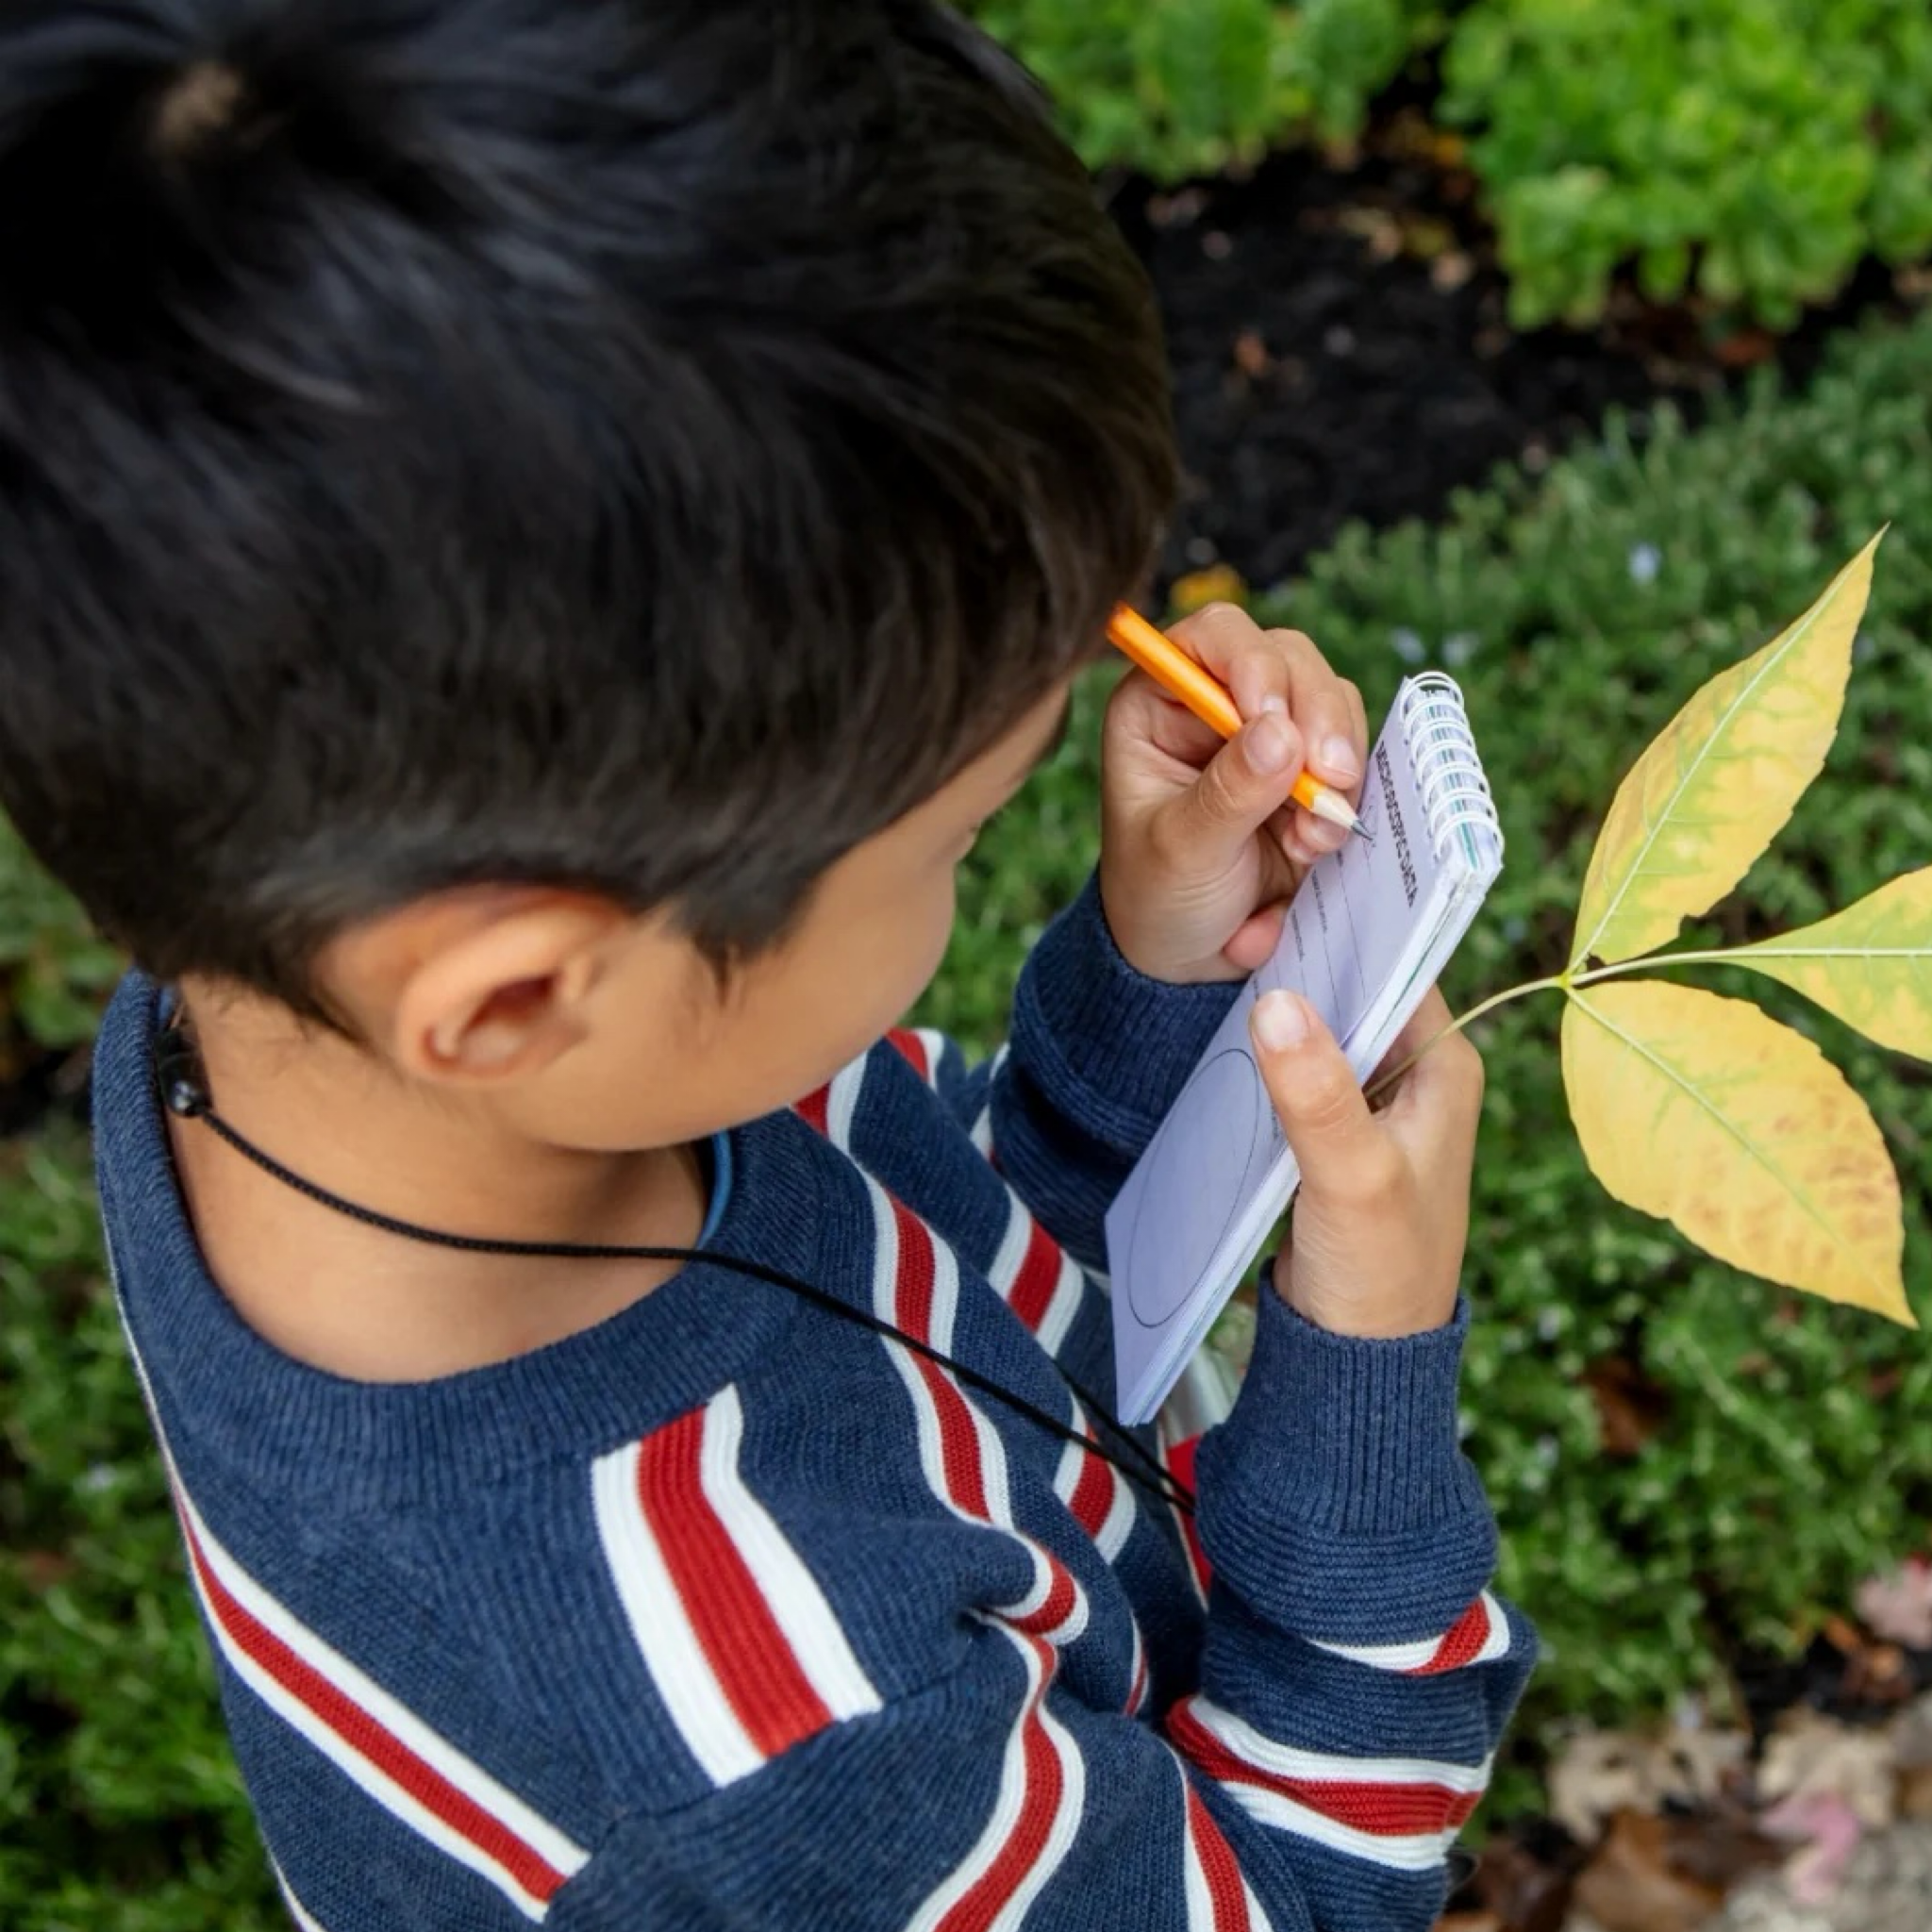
x: 1383, y: 1213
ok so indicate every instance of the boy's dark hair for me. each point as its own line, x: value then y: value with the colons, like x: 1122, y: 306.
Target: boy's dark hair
x: 642, y: 446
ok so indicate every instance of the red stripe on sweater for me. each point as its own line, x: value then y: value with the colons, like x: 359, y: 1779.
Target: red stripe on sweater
x: 1385, y: 1811
x: 812, y: 1109
x: 914, y: 1311
x: 959, y: 1445
x: 1026, y: 1840
x: 748, y: 1652
x: 1039, y: 1276
x: 1060, y: 1592
x: 913, y: 1049
x: 1092, y: 1496
x: 1218, y: 1862
x: 1464, y: 1643
x: 369, y: 1738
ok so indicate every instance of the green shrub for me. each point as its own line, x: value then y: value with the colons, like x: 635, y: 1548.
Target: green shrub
x: 120, y: 1806
x: 1187, y: 87
x: 1751, y: 150
x: 55, y: 972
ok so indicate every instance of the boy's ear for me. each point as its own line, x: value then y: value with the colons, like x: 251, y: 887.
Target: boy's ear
x: 477, y: 988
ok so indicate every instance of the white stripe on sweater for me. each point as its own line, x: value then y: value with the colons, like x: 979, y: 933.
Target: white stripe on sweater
x: 1421, y: 1658
x: 1266, y: 1753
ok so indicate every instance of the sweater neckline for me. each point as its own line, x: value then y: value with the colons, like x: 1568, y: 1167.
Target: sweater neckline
x: 225, y: 1392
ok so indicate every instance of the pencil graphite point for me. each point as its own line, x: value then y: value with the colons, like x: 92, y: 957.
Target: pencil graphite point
x: 1334, y: 808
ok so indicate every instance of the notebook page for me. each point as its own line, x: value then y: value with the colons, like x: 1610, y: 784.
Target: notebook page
x: 1201, y: 1199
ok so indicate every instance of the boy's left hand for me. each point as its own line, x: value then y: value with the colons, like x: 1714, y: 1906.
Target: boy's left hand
x: 1200, y: 848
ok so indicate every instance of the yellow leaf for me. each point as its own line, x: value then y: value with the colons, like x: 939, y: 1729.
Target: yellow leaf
x: 1870, y: 964
x: 1707, y: 1112
x: 1712, y: 791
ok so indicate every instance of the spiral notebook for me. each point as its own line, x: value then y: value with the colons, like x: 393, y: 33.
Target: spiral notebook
x: 1367, y: 934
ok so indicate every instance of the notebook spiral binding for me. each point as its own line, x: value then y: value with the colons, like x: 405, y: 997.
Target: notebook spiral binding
x: 1455, y: 792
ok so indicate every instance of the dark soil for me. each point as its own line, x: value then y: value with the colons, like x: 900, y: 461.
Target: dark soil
x: 1341, y: 350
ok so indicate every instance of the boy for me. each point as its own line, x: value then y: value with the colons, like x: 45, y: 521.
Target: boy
x: 534, y: 533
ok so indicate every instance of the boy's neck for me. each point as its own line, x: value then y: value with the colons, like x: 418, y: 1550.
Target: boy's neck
x: 342, y: 1296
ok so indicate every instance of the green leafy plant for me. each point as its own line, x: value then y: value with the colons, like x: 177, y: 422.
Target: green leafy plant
x: 55, y: 971
x: 1186, y: 87
x: 1747, y: 152
x: 1751, y: 151
x: 120, y: 1806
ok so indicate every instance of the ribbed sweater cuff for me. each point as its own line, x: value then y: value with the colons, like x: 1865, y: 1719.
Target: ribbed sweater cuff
x: 1334, y: 1500
x: 1108, y: 1045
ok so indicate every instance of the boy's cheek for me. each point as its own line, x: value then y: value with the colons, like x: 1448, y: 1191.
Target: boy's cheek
x: 781, y: 1031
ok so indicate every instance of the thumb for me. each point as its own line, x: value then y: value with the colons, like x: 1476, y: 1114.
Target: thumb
x: 1317, y: 1097
x: 1239, y: 791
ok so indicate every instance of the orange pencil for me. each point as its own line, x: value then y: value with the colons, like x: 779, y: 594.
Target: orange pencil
x: 1177, y: 673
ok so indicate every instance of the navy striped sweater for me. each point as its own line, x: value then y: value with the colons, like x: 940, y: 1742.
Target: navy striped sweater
x: 725, y: 1613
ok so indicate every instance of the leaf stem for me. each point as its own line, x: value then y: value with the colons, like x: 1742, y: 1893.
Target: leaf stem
x: 1561, y: 982
x: 1475, y: 1013
x: 1651, y: 961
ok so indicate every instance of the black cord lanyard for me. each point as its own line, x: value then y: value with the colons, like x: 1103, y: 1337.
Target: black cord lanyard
x: 185, y: 1092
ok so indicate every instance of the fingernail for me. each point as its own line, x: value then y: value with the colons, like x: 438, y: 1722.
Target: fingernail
x: 1339, y: 761
x: 1270, y: 748
x: 1274, y: 702
x: 1280, y: 1021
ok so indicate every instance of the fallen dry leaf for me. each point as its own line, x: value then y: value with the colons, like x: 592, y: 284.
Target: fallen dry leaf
x: 1828, y: 1829
x: 1911, y: 1745
x: 1812, y: 1756
x: 1636, y: 1882
x: 1915, y: 1794
x: 1898, y: 1605
x: 1878, y: 1673
x: 1630, y: 1408
x: 1251, y: 355
x: 1601, y: 1772
x: 1746, y: 347
x: 1523, y: 1892
x: 43, y: 1569
x: 1911, y: 1735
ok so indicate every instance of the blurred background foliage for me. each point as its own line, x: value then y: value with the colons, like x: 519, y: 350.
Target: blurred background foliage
x: 1750, y: 152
